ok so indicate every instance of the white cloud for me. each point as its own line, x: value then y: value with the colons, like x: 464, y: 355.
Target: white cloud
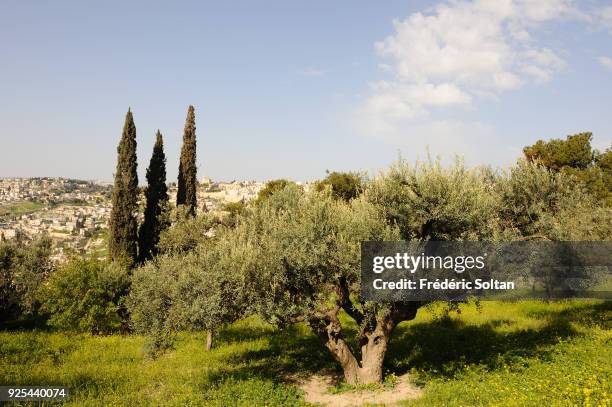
x: 461, y: 51
x: 311, y: 72
x: 411, y: 100
x: 605, y: 18
x: 606, y: 61
x: 479, y: 44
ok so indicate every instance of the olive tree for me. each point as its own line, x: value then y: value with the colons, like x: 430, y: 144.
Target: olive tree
x: 186, y: 232
x: 307, y: 266
x: 430, y: 202
x: 196, y: 290
x: 295, y: 255
x: 538, y: 203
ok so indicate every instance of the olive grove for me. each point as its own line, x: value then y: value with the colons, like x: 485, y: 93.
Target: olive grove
x: 295, y: 256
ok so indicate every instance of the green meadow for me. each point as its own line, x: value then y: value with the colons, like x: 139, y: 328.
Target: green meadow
x: 492, y: 353
x: 20, y: 208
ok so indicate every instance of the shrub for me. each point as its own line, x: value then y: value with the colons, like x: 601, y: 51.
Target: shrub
x: 86, y: 295
x: 344, y: 185
x: 23, y: 267
x: 234, y: 210
x: 271, y: 188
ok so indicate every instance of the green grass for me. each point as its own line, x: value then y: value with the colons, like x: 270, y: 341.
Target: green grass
x: 14, y: 209
x: 523, y: 353
x: 20, y: 208
x: 512, y: 354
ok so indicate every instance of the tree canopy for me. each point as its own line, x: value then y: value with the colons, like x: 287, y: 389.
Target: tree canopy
x: 24, y: 266
x: 156, y: 217
x: 187, y: 177
x: 294, y: 256
x: 576, y: 157
x: 271, y: 187
x: 123, y: 226
x: 344, y: 185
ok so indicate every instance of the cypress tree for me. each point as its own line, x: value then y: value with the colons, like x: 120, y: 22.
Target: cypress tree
x: 156, y: 194
x: 123, y: 228
x: 186, y: 194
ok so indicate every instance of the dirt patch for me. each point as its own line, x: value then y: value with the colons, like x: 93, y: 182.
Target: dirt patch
x: 316, y: 391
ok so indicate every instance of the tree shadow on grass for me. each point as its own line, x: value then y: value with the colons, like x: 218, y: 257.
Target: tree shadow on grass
x: 587, y: 314
x: 445, y: 346
x: 289, y: 352
x: 440, y: 348
x: 24, y: 323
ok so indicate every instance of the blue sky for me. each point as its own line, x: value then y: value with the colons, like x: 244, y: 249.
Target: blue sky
x: 292, y: 88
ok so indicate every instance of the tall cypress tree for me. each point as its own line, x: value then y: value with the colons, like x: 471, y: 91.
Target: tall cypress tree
x: 155, y: 214
x: 123, y: 228
x: 186, y: 194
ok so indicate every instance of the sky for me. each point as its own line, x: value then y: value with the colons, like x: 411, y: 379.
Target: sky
x: 290, y: 89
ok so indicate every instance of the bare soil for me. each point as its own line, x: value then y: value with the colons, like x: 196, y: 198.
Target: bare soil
x: 316, y: 391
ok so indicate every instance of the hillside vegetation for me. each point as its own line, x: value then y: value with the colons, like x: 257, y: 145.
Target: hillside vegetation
x: 523, y: 353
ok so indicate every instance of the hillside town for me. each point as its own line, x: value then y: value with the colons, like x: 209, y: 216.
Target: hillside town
x: 213, y: 196
x: 75, y: 213
x: 52, y: 190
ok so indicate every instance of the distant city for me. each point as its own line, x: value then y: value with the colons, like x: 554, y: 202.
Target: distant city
x: 75, y: 213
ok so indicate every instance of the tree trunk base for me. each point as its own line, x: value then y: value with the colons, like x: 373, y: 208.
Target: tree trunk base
x: 209, y: 341
x: 370, y: 373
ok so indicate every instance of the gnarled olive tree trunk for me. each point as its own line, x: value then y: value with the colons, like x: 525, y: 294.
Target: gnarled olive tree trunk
x: 373, y: 349
x: 374, y: 336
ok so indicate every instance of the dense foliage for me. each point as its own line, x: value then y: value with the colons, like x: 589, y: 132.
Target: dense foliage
x: 539, y: 203
x: 272, y: 187
x: 86, y: 295
x: 24, y: 266
x: 575, y: 156
x: 344, y: 185
x: 294, y: 256
x: 186, y: 232
x: 123, y: 226
x: 200, y: 290
x: 156, y: 217
x: 187, y: 179
x: 429, y: 202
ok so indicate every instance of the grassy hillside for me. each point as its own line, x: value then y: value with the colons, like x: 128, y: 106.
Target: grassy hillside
x: 20, y: 208
x: 526, y: 353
